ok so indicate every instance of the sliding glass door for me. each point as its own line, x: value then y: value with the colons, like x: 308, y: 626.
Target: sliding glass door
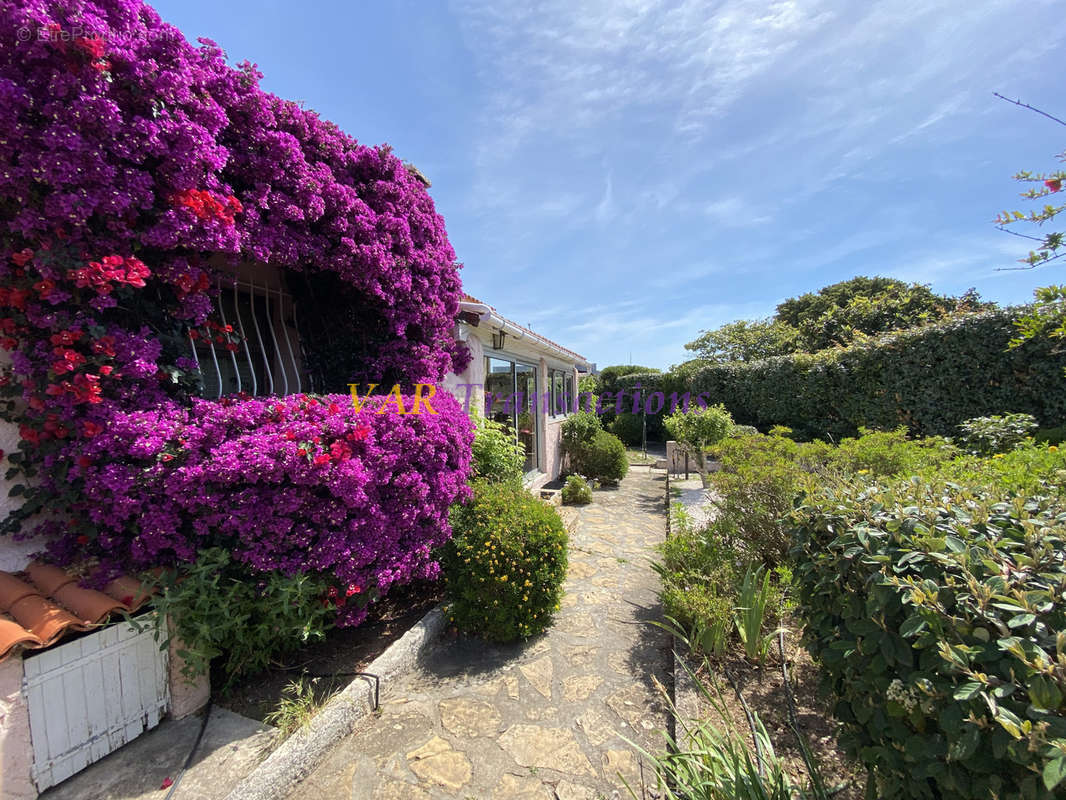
x: 511, y: 399
x: 526, y: 407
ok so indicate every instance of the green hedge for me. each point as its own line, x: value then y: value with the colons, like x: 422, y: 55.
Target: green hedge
x: 650, y: 383
x: 928, y: 379
x: 936, y: 614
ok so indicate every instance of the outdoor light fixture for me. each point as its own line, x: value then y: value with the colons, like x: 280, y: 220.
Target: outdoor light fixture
x: 498, y: 339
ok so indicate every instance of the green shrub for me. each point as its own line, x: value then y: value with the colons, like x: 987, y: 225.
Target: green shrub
x: 783, y: 431
x: 702, y: 583
x: 1055, y: 435
x: 592, y: 451
x: 697, y: 429
x: 929, y: 379
x: 576, y: 491
x: 1030, y: 468
x: 742, y: 430
x: 629, y: 428
x: 496, y: 453
x: 755, y: 488
x: 604, y: 458
x: 704, y: 612
x: 884, y: 453
x: 698, y: 571
x: 936, y: 613
x: 577, y: 432
x: 997, y: 433
x: 221, y: 609
x: 505, y: 565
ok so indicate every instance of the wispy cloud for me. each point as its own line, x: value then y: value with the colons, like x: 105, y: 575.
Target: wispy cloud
x: 605, y: 208
x: 725, y: 149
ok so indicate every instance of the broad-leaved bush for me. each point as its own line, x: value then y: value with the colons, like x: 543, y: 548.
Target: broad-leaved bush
x: 935, y: 611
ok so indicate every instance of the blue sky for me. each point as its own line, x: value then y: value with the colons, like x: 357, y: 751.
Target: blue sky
x: 620, y: 174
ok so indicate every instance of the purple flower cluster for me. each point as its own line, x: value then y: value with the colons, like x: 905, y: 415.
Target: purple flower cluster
x: 121, y: 140
x: 134, y: 164
x: 296, y: 484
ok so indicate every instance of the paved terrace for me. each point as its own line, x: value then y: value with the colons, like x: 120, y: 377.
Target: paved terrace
x: 545, y: 719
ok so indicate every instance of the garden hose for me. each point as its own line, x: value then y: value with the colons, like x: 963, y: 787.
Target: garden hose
x: 793, y: 722
x: 751, y: 722
x: 790, y: 700
x: 195, y: 747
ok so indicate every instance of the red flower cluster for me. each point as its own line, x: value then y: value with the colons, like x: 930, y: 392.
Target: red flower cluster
x: 333, y: 595
x: 188, y: 283
x: 66, y: 360
x: 337, y: 452
x: 14, y: 298
x: 85, y: 388
x: 212, y: 332
x: 206, y: 207
x: 101, y: 275
x: 92, y: 47
x: 1054, y: 184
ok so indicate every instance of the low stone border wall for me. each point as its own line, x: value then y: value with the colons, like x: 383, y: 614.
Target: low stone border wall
x: 294, y: 759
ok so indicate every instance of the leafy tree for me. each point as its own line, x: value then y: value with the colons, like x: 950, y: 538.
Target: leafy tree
x: 745, y: 340
x: 797, y: 311
x: 697, y: 429
x: 833, y: 316
x: 609, y: 375
x: 843, y: 312
x: 589, y: 384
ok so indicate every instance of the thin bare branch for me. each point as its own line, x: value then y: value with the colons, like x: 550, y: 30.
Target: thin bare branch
x: 1031, y: 108
x: 1021, y: 235
x: 1030, y: 266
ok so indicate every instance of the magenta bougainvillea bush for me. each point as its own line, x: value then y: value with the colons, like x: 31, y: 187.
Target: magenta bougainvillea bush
x: 137, y: 171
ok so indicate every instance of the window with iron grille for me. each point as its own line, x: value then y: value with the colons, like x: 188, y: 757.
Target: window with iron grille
x: 266, y: 360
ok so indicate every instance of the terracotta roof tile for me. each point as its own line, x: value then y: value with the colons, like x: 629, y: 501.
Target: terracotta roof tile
x: 39, y: 611
x: 128, y: 591
x: 12, y: 635
x: 43, y: 618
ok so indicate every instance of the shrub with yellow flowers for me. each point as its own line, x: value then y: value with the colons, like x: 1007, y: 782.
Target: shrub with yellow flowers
x: 505, y: 564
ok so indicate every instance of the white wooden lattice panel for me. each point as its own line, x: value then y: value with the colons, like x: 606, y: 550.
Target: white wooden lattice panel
x: 90, y: 696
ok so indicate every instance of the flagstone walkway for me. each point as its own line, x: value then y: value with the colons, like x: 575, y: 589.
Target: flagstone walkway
x: 541, y: 720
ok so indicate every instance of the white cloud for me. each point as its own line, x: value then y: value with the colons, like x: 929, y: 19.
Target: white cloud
x: 631, y: 146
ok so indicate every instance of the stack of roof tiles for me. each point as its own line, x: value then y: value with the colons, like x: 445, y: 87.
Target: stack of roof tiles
x: 44, y: 603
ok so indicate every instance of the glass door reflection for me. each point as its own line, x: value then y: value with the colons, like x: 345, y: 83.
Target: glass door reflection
x: 499, y: 391
x: 526, y: 407
x: 511, y: 399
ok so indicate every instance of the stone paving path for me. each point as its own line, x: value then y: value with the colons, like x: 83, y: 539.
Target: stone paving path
x: 545, y: 719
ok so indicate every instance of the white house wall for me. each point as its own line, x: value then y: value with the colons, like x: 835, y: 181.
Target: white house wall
x: 528, y: 351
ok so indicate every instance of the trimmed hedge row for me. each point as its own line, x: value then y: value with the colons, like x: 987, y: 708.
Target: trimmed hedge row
x: 928, y: 379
